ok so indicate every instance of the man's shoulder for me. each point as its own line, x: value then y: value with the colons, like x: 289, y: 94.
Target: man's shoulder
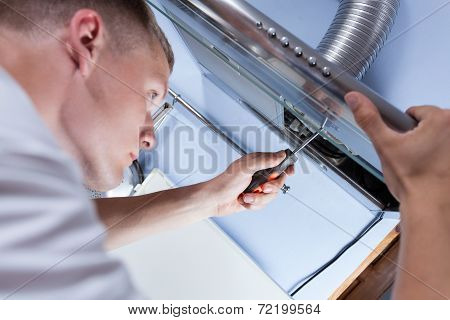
x: 48, y: 226
x: 20, y: 124
x: 34, y: 171
x: 24, y: 138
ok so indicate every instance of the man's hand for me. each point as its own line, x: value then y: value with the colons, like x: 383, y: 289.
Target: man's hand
x: 130, y: 219
x: 414, y: 163
x: 416, y: 166
x: 227, y: 188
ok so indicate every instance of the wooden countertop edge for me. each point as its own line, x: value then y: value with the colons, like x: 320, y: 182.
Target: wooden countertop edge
x: 381, y: 247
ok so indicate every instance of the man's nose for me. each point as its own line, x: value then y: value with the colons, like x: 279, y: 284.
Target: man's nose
x: 147, y: 138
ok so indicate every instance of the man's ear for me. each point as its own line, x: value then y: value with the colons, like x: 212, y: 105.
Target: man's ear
x: 86, y: 40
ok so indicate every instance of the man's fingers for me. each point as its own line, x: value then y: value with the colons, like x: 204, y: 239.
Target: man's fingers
x: 255, y: 201
x: 275, y: 185
x: 290, y: 171
x: 422, y: 112
x: 368, y: 117
x: 263, y: 160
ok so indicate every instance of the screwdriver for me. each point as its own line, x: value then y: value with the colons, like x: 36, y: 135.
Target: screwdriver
x: 262, y: 176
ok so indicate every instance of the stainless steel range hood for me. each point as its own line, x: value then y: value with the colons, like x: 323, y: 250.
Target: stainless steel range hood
x: 289, y: 85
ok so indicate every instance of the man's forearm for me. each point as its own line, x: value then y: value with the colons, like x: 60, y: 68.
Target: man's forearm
x: 129, y: 219
x: 424, y: 258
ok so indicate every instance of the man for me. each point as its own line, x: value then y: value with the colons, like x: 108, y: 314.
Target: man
x: 78, y: 79
x: 87, y: 81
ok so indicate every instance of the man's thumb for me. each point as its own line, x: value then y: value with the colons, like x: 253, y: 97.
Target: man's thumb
x: 367, y: 116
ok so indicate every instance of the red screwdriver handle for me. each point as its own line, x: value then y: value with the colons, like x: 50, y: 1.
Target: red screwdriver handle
x: 262, y: 176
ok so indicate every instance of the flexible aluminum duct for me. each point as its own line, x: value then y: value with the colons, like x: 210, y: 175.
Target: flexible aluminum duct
x: 358, y: 32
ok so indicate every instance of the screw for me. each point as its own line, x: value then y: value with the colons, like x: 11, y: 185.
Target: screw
x: 312, y: 61
x: 298, y: 51
x: 285, y: 189
x: 272, y: 32
x: 284, y: 42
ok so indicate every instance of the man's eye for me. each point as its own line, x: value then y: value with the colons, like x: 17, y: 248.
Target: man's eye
x: 153, y: 95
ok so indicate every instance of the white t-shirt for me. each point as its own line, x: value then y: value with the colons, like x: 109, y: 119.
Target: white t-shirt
x: 51, y: 241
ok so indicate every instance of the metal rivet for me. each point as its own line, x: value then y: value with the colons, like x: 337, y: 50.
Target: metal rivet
x: 272, y: 32
x: 298, y: 51
x: 326, y: 72
x: 284, y: 42
x: 259, y: 25
x: 312, y: 61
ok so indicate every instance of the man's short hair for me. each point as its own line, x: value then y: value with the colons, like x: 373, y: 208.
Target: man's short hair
x: 129, y: 22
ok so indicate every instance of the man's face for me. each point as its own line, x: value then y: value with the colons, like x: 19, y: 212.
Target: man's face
x: 108, y: 115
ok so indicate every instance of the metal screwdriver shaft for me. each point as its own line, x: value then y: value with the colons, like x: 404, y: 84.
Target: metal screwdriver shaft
x: 263, y: 176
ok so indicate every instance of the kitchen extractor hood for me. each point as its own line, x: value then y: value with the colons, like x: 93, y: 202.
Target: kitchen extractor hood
x: 293, y: 87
